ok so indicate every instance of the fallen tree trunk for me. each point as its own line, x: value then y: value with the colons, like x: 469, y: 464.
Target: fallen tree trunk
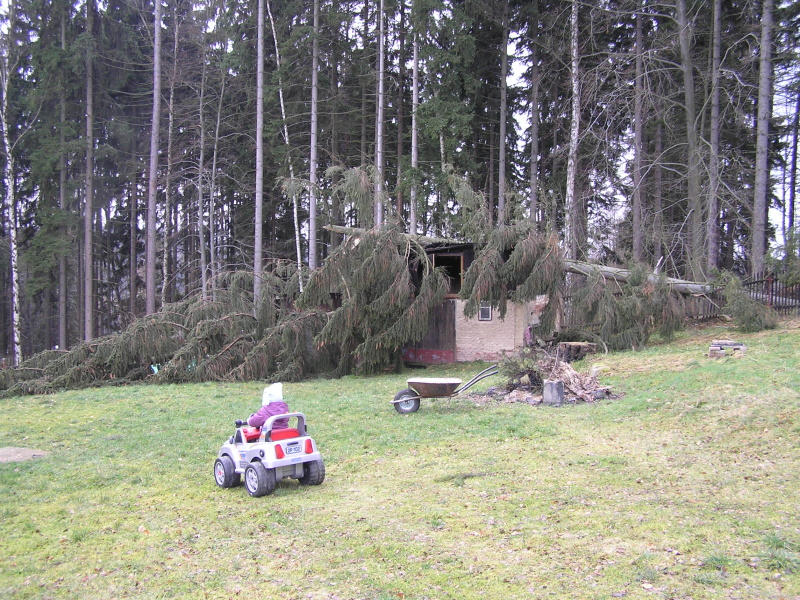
x: 573, y: 266
x: 617, y: 274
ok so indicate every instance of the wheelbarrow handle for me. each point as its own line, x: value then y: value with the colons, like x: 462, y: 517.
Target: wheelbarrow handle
x: 487, y: 372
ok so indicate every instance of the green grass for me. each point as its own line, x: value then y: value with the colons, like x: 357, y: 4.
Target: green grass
x: 686, y: 487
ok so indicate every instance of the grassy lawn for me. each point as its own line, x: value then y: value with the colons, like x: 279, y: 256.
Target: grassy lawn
x: 686, y: 487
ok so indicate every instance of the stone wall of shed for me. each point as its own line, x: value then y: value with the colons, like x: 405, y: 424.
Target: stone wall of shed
x: 489, y: 340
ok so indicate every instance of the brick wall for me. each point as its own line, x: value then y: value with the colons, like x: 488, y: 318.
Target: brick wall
x: 488, y: 340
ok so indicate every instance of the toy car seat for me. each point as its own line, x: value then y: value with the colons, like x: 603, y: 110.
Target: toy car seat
x: 282, y: 434
x: 253, y: 434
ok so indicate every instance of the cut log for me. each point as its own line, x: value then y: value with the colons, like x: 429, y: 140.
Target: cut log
x: 680, y: 285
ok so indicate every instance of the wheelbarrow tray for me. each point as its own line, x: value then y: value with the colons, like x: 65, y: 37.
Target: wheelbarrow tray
x: 434, y: 387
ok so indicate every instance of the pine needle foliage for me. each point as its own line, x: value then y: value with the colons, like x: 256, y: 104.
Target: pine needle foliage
x: 472, y: 219
x: 785, y: 263
x: 190, y: 341
x: 749, y: 314
x: 287, y: 351
x: 517, y: 263
x: 623, y: 315
x: 223, y: 334
x: 382, y: 306
x: 355, y: 186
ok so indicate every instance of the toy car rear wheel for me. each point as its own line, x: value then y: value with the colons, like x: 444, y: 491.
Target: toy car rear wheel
x: 258, y: 480
x: 313, y: 473
x: 225, y: 472
x: 406, y: 401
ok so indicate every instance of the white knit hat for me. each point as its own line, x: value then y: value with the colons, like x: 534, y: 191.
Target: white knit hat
x: 272, y: 393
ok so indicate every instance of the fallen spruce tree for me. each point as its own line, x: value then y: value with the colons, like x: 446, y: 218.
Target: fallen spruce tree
x: 372, y: 296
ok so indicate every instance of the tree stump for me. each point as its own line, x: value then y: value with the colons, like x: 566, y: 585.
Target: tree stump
x: 553, y: 392
x: 572, y: 351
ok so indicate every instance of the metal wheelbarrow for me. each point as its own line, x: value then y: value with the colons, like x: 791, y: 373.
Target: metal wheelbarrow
x: 407, y: 401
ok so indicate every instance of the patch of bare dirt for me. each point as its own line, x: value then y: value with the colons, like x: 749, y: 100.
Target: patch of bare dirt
x: 12, y: 454
x: 500, y: 396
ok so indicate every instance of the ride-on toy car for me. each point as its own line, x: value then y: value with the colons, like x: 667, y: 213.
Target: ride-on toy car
x: 265, y: 456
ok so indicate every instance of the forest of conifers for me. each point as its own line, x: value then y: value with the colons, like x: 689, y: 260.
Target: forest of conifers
x: 662, y: 132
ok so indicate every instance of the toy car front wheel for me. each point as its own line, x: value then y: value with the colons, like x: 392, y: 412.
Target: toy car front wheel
x: 225, y: 473
x: 258, y: 480
x: 313, y: 473
x: 406, y: 401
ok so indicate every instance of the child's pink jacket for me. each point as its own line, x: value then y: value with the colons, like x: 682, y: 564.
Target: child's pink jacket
x: 257, y: 419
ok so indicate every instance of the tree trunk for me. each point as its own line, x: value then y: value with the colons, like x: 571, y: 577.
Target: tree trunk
x: 658, y: 191
x: 679, y: 285
x: 638, y: 127
x: 412, y: 203
x: 312, y: 196
x: 695, y: 251
x: 288, y: 149
x: 166, y: 295
x: 761, y: 191
x: 336, y: 204
x: 364, y: 43
x: 150, y: 250
x: 712, y: 224
x: 570, y: 265
x: 401, y: 60
x: 793, y: 162
x: 533, y: 184
x: 62, y: 194
x: 259, y: 201
x: 570, y: 198
x: 212, y: 202
x: 490, y: 182
x: 501, y: 170
x: 132, y: 225
x: 88, y: 208
x: 201, y: 234
x: 378, y: 216
x: 6, y: 72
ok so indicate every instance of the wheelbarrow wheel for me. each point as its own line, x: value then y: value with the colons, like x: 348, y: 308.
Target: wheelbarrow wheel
x: 406, y: 401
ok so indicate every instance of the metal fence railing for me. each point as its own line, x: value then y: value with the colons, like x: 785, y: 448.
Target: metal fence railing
x: 770, y: 290
x: 766, y: 288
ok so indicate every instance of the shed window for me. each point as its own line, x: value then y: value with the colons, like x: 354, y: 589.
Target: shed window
x: 485, y: 312
x: 453, y: 265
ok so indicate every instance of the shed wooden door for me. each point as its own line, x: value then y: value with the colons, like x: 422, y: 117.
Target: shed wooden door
x: 439, y: 344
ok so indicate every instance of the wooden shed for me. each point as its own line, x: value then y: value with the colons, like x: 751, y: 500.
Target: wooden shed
x: 452, y: 337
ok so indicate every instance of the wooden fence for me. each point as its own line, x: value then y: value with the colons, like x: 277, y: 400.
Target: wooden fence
x: 704, y: 306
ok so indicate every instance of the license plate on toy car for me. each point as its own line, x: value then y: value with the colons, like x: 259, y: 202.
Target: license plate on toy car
x: 293, y: 448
